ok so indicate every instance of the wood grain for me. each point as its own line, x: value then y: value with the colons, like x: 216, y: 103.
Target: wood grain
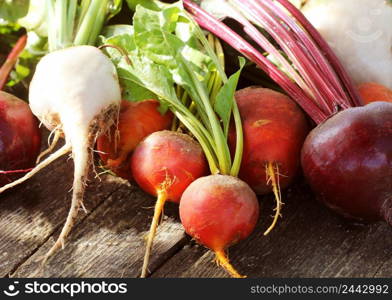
x: 31, y: 212
x: 310, y: 241
x: 111, y: 241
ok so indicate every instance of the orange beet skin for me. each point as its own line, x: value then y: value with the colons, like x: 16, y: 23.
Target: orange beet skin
x: 219, y: 210
x: 168, y: 160
x: 274, y: 131
x: 372, y: 92
x: 136, y: 121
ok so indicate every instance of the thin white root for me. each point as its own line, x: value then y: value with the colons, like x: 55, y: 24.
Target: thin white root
x: 270, y: 171
x: 56, y: 138
x: 63, y: 150
x: 81, y: 162
x: 83, y: 207
x: 154, y: 224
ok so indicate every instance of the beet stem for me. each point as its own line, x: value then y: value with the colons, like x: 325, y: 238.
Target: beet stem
x: 11, y: 60
x: 161, y: 199
x: 331, y: 56
x: 222, y: 31
x: 223, y: 261
x: 323, y: 64
x: 16, y: 171
x: 288, y: 42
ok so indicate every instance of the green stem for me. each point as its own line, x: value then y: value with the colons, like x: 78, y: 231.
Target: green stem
x: 235, y: 168
x: 83, y: 10
x: 89, y: 27
x: 196, y: 124
x: 222, y: 149
x: 71, y: 19
x: 220, y: 62
x: 51, y: 25
x: 61, y: 19
x: 210, y: 83
x: 99, y: 21
x: 207, y: 149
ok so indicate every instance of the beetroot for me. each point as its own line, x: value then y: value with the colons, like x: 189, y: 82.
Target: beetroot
x: 274, y: 131
x: 347, y: 160
x: 219, y: 211
x: 136, y: 121
x: 164, y: 164
x: 20, y: 137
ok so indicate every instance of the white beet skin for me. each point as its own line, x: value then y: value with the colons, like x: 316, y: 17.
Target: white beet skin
x: 360, y: 33
x: 76, y: 91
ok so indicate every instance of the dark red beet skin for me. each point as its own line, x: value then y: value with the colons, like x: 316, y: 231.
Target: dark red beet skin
x: 20, y: 137
x: 347, y: 161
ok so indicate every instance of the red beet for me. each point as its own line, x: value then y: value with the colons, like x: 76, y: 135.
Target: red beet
x: 218, y: 211
x: 163, y: 165
x: 20, y: 137
x: 347, y: 161
x: 136, y: 121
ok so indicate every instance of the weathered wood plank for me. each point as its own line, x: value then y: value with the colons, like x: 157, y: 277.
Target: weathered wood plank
x: 196, y: 261
x: 110, y: 242
x: 310, y: 242
x: 31, y: 212
x: 368, y: 255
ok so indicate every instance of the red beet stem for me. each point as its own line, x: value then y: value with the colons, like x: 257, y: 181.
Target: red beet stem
x: 319, y: 61
x: 11, y: 60
x: 222, y: 31
x: 323, y: 83
x: 326, y: 50
x: 303, y: 60
x: 16, y: 171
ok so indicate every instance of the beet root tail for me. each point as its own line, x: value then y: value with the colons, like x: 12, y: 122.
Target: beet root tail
x: 273, y: 178
x: 223, y: 261
x: 81, y: 158
x: 162, y: 197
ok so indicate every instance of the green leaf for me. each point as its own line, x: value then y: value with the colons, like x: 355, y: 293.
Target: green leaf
x: 135, y: 92
x: 114, y: 8
x: 153, y: 5
x: 145, y: 79
x: 154, y: 34
x: 35, y: 48
x: 36, y: 17
x: 122, y: 36
x: 224, y: 100
x: 166, y: 51
x: 114, y: 30
x: 124, y: 41
x: 12, y: 10
x: 155, y: 37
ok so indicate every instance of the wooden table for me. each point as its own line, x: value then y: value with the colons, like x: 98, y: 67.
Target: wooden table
x: 108, y: 241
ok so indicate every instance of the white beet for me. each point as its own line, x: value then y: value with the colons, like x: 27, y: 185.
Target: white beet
x: 360, y: 33
x: 76, y: 91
